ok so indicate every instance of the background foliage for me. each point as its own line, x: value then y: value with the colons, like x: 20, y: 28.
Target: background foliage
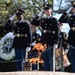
x: 31, y: 8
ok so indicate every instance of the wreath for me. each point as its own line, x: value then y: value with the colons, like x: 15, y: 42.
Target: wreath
x: 6, y: 50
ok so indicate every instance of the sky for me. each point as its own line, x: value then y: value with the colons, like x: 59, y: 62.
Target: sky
x: 64, y: 4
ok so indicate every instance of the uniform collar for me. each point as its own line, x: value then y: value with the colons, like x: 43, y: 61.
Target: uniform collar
x: 49, y: 17
x: 21, y: 21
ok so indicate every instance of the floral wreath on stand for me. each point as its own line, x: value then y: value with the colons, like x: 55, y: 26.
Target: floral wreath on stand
x: 6, y: 50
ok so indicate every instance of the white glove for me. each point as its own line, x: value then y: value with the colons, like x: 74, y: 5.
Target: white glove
x: 11, y: 18
x: 69, y: 10
x: 33, y: 44
x: 66, y: 51
x: 55, y: 46
x: 40, y: 14
x: 28, y: 49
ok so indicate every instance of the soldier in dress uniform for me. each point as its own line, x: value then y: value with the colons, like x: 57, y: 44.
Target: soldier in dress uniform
x: 49, y: 28
x: 71, y: 38
x: 64, y: 19
x: 35, y: 40
x: 22, y: 39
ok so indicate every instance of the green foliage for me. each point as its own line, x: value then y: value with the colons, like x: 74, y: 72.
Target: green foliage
x: 9, y: 7
x: 50, y: 2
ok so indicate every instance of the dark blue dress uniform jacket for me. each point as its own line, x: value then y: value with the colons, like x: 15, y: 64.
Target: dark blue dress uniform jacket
x: 35, y: 37
x: 22, y: 34
x: 49, y: 29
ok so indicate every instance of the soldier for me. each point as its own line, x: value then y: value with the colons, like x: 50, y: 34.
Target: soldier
x: 64, y: 20
x: 49, y: 28
x: 71, y: 38
x: 35, y: 40
x: 22, y: 39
